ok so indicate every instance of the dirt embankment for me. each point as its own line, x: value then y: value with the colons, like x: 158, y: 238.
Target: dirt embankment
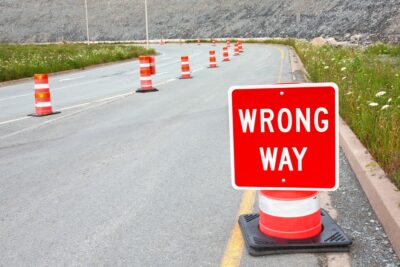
x: 57, y: 20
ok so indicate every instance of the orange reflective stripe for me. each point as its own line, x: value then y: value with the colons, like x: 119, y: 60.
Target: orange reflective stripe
x: 40, y: 77
x: 42, y: 95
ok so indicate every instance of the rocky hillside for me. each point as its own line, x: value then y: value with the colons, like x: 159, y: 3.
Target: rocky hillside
x: 58, y: 20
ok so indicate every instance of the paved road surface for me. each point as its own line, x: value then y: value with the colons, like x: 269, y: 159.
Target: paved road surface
x: 125, y: 179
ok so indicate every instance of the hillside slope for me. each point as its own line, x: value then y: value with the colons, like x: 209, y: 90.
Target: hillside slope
x: 56, y: 20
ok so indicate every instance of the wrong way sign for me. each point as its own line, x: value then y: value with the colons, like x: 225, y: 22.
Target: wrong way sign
x: 284, y: 136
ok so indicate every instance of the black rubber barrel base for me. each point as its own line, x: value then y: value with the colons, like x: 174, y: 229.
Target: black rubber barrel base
x: 331, y: 239
x: 37, y: 115
x: 146, y: 90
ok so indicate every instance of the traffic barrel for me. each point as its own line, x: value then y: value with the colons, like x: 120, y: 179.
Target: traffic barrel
x: 290, y: 214
x: 42, y: 96
x: 213, y: 42
x: 291, y: 222
x: 225, y: 54
x: 228, y: 43
x: 240, y: 47
x: 145, y: 71
x: 212, y: 59
x: 236, y: 50
x: 185, y: 68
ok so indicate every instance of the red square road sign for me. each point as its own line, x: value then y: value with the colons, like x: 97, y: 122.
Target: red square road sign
x: 284, y: 136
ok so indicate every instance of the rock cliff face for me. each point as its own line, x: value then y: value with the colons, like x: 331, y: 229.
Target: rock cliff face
x: 58, y: 20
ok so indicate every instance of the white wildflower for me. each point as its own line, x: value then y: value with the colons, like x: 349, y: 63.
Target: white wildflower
x: 373, y: 104
x: 389, y: 100
x: 380, y: 93
x: 343, y: 69
x: 326, y: 67
x: 344, y: 78
x: 349, y: 93
x: 385, y: 107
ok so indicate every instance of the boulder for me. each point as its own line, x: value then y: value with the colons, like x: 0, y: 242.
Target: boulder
x: 318, y: 41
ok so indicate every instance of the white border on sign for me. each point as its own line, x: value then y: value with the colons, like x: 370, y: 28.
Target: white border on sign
x: 275, y: 86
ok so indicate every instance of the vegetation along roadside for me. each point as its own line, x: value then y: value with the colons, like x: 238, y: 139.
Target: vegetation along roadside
x: 20, y: 61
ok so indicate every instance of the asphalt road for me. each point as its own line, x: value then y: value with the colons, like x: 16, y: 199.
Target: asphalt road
x: 126, y: 179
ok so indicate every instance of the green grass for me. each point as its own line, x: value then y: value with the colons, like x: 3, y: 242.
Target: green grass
x: 20, y: 61
x: 369, y: 93
x: 383, y: 49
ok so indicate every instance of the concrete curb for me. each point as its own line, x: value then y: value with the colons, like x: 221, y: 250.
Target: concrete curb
x: 382, y: 194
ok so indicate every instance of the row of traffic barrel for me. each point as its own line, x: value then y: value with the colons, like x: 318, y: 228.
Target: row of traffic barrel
x: 147, y: 65
x: 147, y: 68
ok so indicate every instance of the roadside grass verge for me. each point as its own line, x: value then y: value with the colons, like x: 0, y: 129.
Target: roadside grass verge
x: 369, y: 95
x: 20, y: 61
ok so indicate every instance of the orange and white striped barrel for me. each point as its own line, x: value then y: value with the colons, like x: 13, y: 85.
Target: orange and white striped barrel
x: 42, y: 95
x: 228, y: 43
x: 290, y: 214
x: 240, y: 47
x: 145, y: 73
x: 225, y: 54
x: 236, y: 50
x: 198, y: 41
x: 212, y: 59
x: 213, y: 42
x: 185, y: 67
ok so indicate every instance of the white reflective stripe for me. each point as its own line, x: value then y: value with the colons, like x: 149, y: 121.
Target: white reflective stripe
x: 185, y: 72
x: 289, y: 209
x: 185, y: 63
x: 146, y: 78
x: 145, y: 65
x: 42, y: 86
x: 43, y: 104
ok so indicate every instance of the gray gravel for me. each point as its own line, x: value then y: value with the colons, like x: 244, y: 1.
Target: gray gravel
x: 371, y: 246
